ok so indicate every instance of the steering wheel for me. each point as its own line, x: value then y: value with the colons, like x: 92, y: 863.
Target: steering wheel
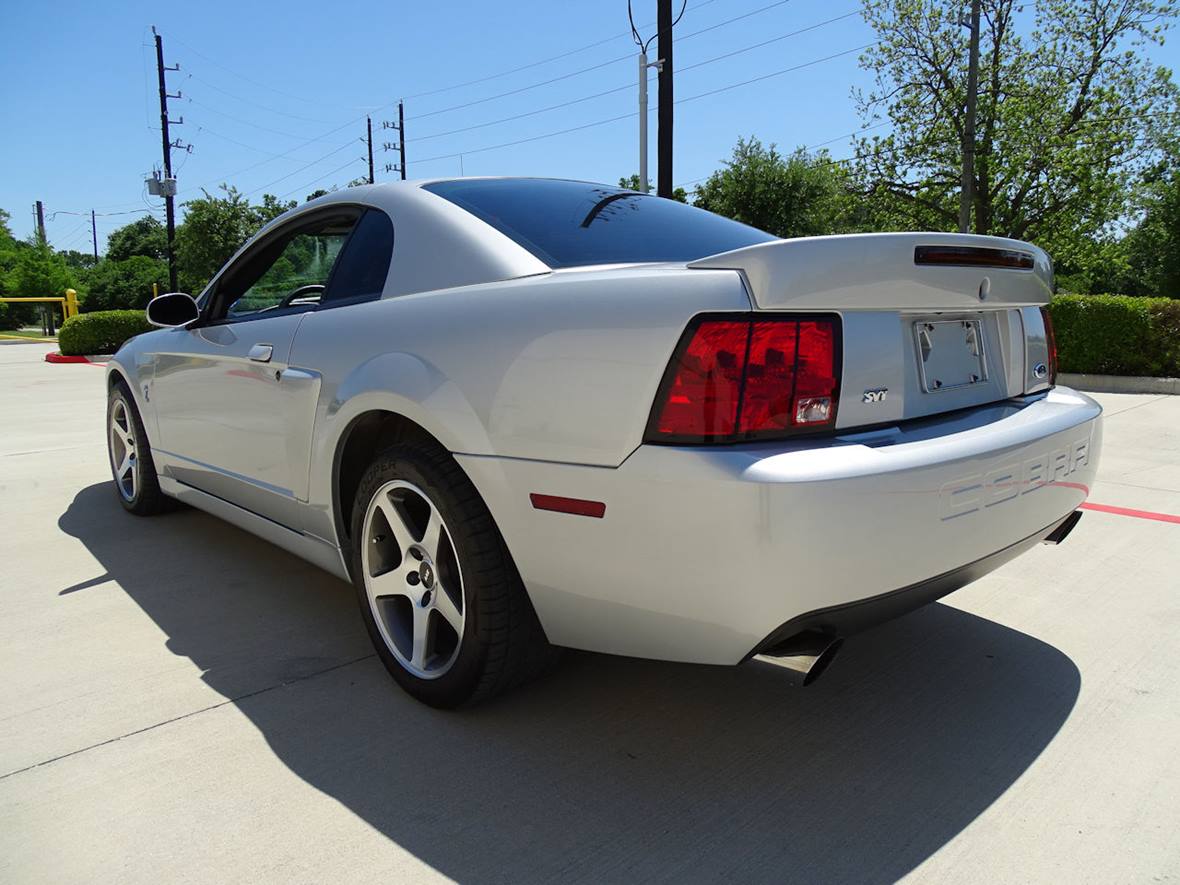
x: 301, y: 292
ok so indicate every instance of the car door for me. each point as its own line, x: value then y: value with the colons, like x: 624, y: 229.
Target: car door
x: 234, y: 416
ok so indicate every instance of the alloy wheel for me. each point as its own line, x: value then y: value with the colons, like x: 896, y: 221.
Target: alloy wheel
x: 124, y: 464
x: 412, y: 579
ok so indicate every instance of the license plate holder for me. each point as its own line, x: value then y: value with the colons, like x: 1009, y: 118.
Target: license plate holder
x: 950, y: 354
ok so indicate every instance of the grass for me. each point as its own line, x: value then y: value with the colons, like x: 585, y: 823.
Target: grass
x: 30, y: 333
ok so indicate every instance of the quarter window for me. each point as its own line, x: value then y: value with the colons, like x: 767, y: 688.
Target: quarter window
x: 360, y: 273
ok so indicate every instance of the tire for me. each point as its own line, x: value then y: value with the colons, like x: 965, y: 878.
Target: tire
x: 132, y: 468
x: 438, y: 591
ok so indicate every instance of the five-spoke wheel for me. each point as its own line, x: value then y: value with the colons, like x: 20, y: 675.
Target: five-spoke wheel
x: 124, y: 464
x: 413, y: 579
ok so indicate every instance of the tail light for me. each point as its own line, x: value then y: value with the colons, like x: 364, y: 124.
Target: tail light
x: 1050, y: 344
x: 749, y: 377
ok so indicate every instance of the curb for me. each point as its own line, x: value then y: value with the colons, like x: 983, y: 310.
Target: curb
x: 1119, y: 383
x: 94, y: 359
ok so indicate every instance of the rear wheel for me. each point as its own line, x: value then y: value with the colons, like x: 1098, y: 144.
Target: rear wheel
x: 131, y: 457
x: 441, y: 598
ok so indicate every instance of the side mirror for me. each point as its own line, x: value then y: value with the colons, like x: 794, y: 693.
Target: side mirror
x: 174, y: 310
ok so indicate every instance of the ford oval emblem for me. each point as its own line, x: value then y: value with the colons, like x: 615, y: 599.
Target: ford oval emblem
x: 1041, y: 371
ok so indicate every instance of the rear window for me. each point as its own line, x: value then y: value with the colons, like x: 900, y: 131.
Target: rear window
x: 573, y: 223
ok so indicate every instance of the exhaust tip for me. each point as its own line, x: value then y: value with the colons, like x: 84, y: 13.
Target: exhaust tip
x: 1063, y: 529
x: 803, y: 656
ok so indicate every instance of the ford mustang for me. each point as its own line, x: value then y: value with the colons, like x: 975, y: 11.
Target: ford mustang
x: 520, y: 414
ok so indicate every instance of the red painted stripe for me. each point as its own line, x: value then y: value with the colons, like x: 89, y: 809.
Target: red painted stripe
x: 1127, y: 511
x: 576, y: 506
x: 55, y: 357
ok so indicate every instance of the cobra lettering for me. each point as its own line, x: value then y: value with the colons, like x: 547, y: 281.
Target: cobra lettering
x: 980, y: 491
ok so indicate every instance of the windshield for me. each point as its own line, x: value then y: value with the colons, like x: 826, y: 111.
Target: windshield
x: 574, y: 223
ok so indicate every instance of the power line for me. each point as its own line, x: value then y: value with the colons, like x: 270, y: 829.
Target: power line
x: 256, y: 103
x: 628, y: 86
x: 317, y: 180
x: 595, y: 67
x: 348, y: 144
x: 634, y: 113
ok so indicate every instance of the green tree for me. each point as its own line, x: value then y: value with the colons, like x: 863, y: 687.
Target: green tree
x: 125, y: 284
x: 1068, y: 113
x: 1153, y: 247
x: 78, y: 261
x: 214, y: 229
x: 39, y: 271
x: 798, y: 195
x: 144, y: 236
x: 679, y: 194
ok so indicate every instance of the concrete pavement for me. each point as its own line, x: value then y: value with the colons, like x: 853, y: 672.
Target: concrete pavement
x: 182, y: 702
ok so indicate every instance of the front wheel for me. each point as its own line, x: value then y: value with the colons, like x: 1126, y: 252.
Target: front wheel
x: 438, y: 591
x: 132, y: 467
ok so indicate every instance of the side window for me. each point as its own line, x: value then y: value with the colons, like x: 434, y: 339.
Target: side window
x: 363, y: 266
x: 289, y: 272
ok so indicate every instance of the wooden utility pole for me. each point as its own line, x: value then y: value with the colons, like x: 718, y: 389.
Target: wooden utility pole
x: 967, y: 188
x: 41, y: 222
x: 401, y: 135
x: 94, y: 235
x: 169, y: 196
x: 369, y: 129
x: 664, y: 137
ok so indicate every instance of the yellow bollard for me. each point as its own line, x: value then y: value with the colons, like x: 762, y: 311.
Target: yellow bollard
x: 155, y: 290
x: 71, y: 303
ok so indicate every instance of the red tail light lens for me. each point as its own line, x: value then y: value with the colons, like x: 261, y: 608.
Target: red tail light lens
x: 1051, y: 343
x: 748, y: 378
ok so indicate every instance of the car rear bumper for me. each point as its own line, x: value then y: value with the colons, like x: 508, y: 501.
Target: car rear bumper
x: 705, y: 553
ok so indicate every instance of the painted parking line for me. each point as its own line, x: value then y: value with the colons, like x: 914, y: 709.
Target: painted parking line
x: 1127, y: 511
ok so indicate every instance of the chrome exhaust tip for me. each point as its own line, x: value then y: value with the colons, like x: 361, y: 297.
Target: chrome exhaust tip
x: 803, y: 656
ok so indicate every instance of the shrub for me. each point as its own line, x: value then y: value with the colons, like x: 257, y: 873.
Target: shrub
x: 1117, y: 334
x: 103, y: 331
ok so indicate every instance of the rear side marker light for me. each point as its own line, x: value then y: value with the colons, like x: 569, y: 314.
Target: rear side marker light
x: 576, y: 506
x: 749, y: 377
x: 1050, y: 344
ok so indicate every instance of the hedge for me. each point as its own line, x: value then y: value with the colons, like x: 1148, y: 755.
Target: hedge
x: 1117, y: 334
x: 103, y: 331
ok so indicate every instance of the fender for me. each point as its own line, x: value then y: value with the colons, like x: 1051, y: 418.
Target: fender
x: 396, y: 382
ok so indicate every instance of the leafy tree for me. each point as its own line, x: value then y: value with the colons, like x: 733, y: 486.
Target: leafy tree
x: 1153, y: 246
x: 78, y: 261
x: 214, y: 229
x: 39, y: 271
x: 1067, y: 113
x: 679, y: 194
x: 125, y: 284
x: 794, y: 196
x: 318, y: 192
x: 144, y: 236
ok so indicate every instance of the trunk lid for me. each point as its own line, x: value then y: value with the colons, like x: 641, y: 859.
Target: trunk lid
x: 932, y: 322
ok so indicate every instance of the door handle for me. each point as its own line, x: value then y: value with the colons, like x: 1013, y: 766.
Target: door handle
x: 260, y: 353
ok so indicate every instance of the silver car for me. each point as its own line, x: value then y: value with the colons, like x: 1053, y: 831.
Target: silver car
x: 520, y: 414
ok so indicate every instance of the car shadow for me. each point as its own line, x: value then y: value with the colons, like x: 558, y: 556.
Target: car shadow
x: 608, y: 769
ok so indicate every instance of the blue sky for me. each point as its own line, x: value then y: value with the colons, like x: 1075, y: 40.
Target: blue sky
x: 275, y: 95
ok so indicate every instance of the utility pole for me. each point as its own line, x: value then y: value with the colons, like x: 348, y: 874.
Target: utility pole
x: 401, y: 131
x: 41, y: 222
x: 369, y: 128
x: 169, y: 191
x: 967, y: 189
x: 400, y: 147
x: 664, y: 138
x: 94, y: 235
x: 644, y: 64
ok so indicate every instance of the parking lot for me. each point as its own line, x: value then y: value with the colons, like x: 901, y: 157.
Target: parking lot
x: 183, y: 702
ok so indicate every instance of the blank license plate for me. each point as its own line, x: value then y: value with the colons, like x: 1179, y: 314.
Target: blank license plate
x: 950, y: 354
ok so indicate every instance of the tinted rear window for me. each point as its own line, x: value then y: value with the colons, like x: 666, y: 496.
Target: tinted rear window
x: 573, y: 223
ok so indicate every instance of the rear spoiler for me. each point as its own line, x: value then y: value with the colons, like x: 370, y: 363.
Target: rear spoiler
x: 894, y: 271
